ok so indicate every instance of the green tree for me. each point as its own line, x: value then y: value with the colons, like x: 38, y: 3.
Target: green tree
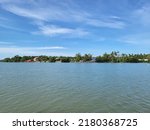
x: 7, y: 60
x: 106, y: 57
x: 16, y: 58
x: 87, y: 57
x: 99, y: 59
x: 65, y: 59
x: 43, y: 58
x: 25, y: 58
x: 148, y: 57
x: 52, y: 59
x: 78, y: 57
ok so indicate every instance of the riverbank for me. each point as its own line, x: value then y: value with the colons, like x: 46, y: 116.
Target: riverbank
x: 113, y: 57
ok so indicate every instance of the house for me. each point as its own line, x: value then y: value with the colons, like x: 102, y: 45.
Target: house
x: 28, y: 61
x: 58, y: 60
x: 93, y: 59
x: 146, y: 60
x: 35, y: 59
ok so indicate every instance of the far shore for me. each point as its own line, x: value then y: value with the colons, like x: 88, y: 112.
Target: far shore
x: 113, y: 57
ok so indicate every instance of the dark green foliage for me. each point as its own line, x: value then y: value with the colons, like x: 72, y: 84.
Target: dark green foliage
x: 148, y: 57
x: 26, y: 58
x: 99, y: 59
x: 52, y: 59
x: 87, y: 57
x: 65, y: 59
x: 16, y: 58
x: 7, y: 60
x: 78, y: 57
x: 106, y: 58
x: 43, y: 58
x: 113, y: 57
x: 116, y: 57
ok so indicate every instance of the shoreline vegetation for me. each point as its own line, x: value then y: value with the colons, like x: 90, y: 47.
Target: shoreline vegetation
x: 113, y: 57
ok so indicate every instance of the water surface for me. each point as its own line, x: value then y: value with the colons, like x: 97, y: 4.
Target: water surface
x: 74, y: 87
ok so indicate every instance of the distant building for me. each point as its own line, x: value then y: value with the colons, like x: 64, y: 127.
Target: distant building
x: 58, y: 60
x: 143, y: 60
x: 81, y: 61
x: 28, y: 61
x: 35, y: 59
x: 93, y: 59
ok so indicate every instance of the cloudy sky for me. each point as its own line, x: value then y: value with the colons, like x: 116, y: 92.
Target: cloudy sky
x: 66, y: 27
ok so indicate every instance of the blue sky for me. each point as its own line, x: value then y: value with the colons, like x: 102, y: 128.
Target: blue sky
x: 66, y: 27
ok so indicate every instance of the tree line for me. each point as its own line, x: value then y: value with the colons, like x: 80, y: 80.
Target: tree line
x: 113, y: 57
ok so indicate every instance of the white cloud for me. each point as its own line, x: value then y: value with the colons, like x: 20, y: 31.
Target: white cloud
x: 9, y: 24
x: 43, y: 11
x: 27, y: 12
x: 6, y: 26
x: 55, y: 30
x: 100, y: 39
x: 49, y: 50
x: 5, y: 43
x: 109, y: 23
x: 59, y: 11
x: 33, y: 48
x: 137, y: 39
x: 142, y: 15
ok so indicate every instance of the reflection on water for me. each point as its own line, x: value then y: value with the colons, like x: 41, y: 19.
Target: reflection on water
x: 74, y: 87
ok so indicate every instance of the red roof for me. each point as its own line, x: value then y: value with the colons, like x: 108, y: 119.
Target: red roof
x: 28, y: 61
